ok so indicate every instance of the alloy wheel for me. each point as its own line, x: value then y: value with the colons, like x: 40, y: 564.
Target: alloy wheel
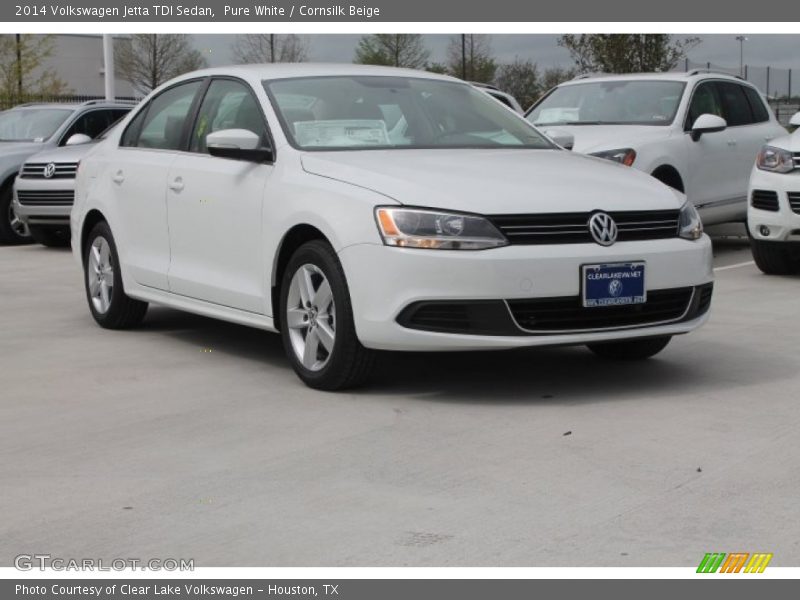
x: 100, y: 274
x: 18, y: 226
x: 310, y: 317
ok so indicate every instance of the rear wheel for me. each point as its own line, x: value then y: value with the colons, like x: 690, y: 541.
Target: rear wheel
x: 52, y: 237
x: 12, y: 229
x: 316, y: 321
x: 775, y: 258
x: 108, y: 303
x: 630, y: 349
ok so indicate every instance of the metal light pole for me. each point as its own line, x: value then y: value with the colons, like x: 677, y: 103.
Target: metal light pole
x: 741, y: 39
x: 108, y: 66
x: 464, y: 56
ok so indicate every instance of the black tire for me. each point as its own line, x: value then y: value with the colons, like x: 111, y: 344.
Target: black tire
x: 349, y: 363
x: 123, y: 312
x: 11, y: 233
x: 630, y: 349
x: 774, y: 258
x: 52, y: 237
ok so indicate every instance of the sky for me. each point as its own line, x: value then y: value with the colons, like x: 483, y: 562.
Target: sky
x: 779, y: 51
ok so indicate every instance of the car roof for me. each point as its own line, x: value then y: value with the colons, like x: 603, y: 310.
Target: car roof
x: 693, y: 75
x: 290, y: 70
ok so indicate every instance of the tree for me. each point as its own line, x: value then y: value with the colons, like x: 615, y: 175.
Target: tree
x: 520, y: 79
x: 148, y: 60
x: 391, y: 49
x: 469, y: 56
x: 21, y: 66
x: 269, y: 48
x: 626, y: 53
x: 555, y: 75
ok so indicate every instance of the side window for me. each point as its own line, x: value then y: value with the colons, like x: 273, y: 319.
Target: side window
x: 131, y: 133
x: 227, y: 105
x: 91, y: 123
x: 163, y: 124
x: 760, y: 112
x: 735, y: 107
x: 705, y: 100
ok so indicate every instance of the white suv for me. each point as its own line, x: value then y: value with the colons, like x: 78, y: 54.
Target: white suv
x: 357, y: 208
x: 773, y: 216
x: 698, y: 132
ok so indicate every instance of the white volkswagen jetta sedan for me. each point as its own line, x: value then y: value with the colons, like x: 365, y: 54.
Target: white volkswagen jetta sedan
x: 355, y: 209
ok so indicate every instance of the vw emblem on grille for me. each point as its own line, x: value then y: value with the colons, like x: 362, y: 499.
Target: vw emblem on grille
x: 603, y: 229
x: 49, y: 170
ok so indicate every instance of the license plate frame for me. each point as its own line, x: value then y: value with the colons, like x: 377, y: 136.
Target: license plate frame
x: 592, y: 294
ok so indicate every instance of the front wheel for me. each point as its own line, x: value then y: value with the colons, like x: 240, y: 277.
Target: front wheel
x: 316, y: 321
x: 110, y: 306
x: 12, y: 229
x: 774, y: 258
x: 630, y: 349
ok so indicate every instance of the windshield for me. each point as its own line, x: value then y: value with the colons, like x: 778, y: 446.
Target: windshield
x: 31, y: 124
x: 633, y: 102
x: 352, y: 113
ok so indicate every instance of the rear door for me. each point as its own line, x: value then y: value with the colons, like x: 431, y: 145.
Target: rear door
x: 138, y: 171
x: 216, y: 205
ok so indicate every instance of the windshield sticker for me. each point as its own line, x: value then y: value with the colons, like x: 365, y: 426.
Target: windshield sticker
x: 556, y: 115
x: 352, y: 132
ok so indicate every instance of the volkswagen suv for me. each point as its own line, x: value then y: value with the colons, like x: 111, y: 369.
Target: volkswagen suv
x: 357, y: 208
x: 698, y: 132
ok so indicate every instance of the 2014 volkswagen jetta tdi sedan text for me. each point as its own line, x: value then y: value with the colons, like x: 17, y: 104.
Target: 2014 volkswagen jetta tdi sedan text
x: 356, y: 209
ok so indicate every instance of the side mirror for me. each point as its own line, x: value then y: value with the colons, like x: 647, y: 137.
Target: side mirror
x: 241, y: 144
x: 562, y: 138
x: 707, y: 123
x: 77, y: 138
x: 795, y: 120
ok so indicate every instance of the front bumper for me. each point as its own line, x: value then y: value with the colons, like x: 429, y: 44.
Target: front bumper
x: 783, y: 224
x: 384, y: 281
x: 47, y: 202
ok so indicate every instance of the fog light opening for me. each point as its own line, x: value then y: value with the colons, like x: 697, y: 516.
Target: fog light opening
x: 764, y: 230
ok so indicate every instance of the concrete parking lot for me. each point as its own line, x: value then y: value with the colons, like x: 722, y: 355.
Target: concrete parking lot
x: 191, y: 438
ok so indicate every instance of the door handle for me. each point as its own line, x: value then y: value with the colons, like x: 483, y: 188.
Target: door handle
x: 731, y: 142
x: 118, y: 177
x: 176, y: 185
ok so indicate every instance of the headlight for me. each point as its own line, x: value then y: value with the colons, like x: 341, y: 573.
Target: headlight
x: 624, y: 156
x: 774, y: 159
x: 420, y: 228
x: 690, y: 227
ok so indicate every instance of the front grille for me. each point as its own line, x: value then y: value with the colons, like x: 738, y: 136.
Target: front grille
x: 569, y: 314
x: 573, y: 228
x: 764, y: 200
x: 794, y: 201
x: 46, y: 197
x: 796, y: 160
x: 36, y: 170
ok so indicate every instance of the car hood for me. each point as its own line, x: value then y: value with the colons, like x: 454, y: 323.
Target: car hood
x: 65, y: 154
x: 13, y: 154
x: 503, y: 181
x: 788, y: 142
x: 596, y: 138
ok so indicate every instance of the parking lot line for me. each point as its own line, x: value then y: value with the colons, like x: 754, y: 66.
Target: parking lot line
x: 736, y: 266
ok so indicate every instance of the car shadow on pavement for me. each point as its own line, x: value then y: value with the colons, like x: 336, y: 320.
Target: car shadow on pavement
x: 688, y: 366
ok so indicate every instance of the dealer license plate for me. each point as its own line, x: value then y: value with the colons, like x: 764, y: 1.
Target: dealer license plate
x: 614, y: 284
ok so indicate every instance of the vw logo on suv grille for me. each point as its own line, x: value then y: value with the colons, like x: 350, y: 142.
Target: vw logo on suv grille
x: 49, y: 170
x: 603, y: 229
